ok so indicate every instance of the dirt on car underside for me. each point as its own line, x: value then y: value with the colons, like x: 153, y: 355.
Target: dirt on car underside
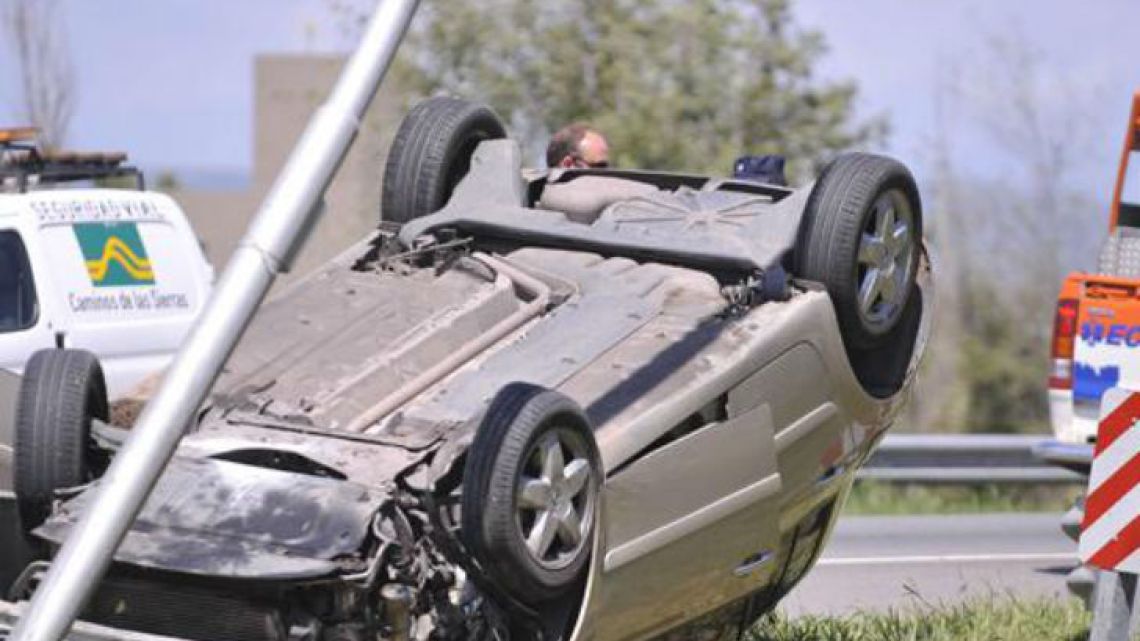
x: 334, y: 354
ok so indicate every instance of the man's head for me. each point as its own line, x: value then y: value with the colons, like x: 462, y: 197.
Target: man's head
x: 578, y: 145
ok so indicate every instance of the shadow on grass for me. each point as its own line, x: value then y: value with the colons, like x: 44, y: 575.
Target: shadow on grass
x: 1057, y: 570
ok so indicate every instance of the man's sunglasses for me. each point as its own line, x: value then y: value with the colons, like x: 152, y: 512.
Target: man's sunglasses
x: 582, y: 164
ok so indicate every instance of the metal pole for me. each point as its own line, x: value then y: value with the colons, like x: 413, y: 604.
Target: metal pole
x: 1114, y: 602
x: 283, y: 220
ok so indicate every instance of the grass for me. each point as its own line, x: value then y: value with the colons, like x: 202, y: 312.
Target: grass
x: 869, y: 497
x: 1003, y: 619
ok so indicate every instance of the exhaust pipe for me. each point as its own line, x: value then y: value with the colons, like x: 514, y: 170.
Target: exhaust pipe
x: 284, y: 219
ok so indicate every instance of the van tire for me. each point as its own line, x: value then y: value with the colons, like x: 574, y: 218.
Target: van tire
x: 62, y: 390
x: 431, y: 153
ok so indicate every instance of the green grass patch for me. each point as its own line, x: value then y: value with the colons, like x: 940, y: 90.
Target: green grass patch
x: 979, y: 620
x: 869, y: 497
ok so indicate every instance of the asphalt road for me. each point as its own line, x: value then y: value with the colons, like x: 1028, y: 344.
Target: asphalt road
x: 884, y: 562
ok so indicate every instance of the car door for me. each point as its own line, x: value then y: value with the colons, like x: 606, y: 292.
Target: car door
x: 24, y: 328
x: 690, y: 525
x: 814, y: 448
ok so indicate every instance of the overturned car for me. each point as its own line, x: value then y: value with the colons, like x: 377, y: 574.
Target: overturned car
x: 587, y: 404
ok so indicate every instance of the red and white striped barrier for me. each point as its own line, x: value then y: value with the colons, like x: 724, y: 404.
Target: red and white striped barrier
x: 1110, y: 533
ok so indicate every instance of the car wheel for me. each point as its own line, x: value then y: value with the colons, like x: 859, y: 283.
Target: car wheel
x: 862, y: 238
x: 431, y: 153
x: 530, y: 492
x: 62, y: 390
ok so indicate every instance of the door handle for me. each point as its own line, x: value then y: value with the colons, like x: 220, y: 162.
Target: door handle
x: 752, y: 563
x: 830, y: 474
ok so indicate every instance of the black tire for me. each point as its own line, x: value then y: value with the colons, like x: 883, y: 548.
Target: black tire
x: 841, y: 220
x: 882, y: 370
x: 62, y: 390
x: 520, y: 419
x: 431, y: 153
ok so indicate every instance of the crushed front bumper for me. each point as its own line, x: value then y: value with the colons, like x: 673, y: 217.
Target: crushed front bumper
x: 80, y: 631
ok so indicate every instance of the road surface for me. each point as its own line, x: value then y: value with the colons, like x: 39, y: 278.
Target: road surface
x: 884, y: 562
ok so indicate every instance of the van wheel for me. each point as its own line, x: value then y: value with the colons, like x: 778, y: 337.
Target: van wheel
x: 862, y: 238
x: 531, y: 489
x: 62, y: 390
x: 431, y: 153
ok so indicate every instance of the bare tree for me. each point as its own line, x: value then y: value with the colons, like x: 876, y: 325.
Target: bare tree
x: 46, y: 76
x: 1039, y: 121
x: 1005, y: 232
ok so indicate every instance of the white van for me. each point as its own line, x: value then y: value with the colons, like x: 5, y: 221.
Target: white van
x: 116, y: 272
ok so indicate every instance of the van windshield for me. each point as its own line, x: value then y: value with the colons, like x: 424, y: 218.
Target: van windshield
x: 18, y: 305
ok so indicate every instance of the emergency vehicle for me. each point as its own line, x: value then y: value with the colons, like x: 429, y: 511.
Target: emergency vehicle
x: 1096, y: 331
x: 115, y: 271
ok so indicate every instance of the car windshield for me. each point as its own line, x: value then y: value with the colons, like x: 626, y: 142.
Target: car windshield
x: 18, y: 305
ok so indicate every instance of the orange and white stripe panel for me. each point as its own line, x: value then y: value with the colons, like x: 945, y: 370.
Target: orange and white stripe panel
x: 1110, y: 532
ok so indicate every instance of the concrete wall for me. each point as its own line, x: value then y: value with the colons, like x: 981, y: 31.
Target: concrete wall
x: 287, y: 89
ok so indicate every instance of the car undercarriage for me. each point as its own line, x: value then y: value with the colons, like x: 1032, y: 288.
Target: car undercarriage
x: 595, y: 404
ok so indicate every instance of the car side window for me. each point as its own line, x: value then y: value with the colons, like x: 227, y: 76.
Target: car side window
x: 19, y: 307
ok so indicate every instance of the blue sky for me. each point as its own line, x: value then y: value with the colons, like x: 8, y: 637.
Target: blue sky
x: 170, y: 80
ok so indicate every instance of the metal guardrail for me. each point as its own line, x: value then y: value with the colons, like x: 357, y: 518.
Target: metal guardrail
x: 965, y: 459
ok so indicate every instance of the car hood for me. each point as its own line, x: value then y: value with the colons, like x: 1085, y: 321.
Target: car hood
x: 225, y: 519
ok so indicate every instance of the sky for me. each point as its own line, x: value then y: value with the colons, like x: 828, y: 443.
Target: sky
x: 901, y: 51
x: 170, y: 81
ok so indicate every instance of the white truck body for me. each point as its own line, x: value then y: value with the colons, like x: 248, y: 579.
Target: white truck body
x: 116, y: 272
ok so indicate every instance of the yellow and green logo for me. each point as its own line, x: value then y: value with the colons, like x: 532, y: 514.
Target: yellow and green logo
x: 114, y: 253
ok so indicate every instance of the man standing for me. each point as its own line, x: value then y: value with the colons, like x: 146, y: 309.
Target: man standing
x: 578, y: 146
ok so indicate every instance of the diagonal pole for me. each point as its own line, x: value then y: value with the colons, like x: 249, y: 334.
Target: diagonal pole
x: 285, y: 216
